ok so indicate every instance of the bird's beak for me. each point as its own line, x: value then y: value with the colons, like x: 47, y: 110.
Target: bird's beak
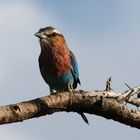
x: 39, y: 35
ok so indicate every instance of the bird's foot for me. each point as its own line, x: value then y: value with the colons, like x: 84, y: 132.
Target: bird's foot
x: 71, y: 91
x: 70, y: 88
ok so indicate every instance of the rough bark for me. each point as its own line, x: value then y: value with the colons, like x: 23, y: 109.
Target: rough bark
x: 105, y: 103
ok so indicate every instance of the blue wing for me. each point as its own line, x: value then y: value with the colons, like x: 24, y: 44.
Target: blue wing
x: 74, y: 70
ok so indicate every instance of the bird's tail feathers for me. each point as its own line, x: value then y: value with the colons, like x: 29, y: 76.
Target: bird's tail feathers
x: 84, y: 118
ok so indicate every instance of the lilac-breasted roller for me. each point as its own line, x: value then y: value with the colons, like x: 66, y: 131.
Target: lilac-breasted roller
x: 58, y: 65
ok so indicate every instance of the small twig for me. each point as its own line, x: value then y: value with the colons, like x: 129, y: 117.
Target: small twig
x: 109, y: 84
x: 127, y: 97
x: 128, y: 86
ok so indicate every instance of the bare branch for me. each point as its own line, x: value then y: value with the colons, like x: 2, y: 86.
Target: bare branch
x: 105, y: 103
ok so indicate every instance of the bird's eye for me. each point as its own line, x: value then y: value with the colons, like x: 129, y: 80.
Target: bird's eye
x: 50, y: 35
x: 54, y: 34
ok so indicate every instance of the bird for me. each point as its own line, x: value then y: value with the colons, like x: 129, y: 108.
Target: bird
x: 57, y: 63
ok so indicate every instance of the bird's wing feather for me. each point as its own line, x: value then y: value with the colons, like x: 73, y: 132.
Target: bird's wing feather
x: 42, y: 70
x: 74, y: 70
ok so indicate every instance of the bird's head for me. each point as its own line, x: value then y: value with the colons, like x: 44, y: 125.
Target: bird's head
x: 48, y: 33
x: 50, y: 36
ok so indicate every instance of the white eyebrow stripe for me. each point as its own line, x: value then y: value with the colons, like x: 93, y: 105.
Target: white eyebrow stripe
x: 56, y: 31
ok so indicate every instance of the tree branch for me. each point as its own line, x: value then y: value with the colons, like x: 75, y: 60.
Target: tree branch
x: 105, y: 103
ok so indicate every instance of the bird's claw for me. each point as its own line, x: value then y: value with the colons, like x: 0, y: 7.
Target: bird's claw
x: 70, y: 88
